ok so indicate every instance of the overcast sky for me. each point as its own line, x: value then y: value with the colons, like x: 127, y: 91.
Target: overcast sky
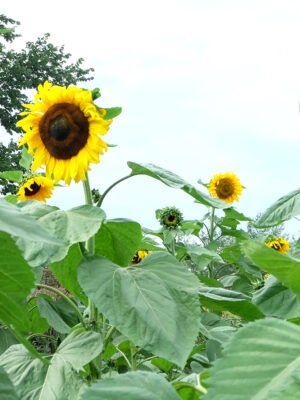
x: 206, y: 87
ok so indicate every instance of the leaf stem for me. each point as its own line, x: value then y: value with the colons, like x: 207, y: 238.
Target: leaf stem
x: 102, y: 197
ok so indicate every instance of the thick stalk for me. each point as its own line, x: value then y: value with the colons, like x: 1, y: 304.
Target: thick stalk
x: 133, y: 356
x: 99, y: 204
x: 90, y: 245
x: 212, y: 225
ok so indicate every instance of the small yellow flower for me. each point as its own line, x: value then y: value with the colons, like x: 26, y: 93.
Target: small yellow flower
x: 226, y: 187
x: 266, y: 276
x: 62, y: 131
x: 139, y: 255
x: 36, y: 188
x: 279, y: 244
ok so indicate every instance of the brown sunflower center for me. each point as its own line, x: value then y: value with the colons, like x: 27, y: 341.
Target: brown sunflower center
x: 59, y: 128
x: 34, y: 188
x: 64, y: 130
x: 224, y: 189
x: 171, y: 219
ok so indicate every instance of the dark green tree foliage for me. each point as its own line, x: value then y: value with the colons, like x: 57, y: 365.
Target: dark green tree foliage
x: 19, y: 71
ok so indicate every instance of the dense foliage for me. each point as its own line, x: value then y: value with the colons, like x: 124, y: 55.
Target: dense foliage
x: 194, y: 316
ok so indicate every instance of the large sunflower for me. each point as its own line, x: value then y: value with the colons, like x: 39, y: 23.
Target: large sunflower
x: 62, y: 131
x: 36, y: 188
x: 226, y: 187
x: 279, y: 244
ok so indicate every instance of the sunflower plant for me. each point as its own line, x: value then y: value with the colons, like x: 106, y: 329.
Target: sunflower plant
x: 92, y: 307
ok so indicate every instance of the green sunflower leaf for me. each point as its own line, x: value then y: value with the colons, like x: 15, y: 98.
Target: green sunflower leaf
x: 276, y: 300
x: 112, y: 112
x: 13, y: 176
x: 11, y: 198
x: 282, y: 210
x: 16, y: 223
x: 220, y: 299
x: 7, y: 390
x: 6, y: 340
x: 59, y: 380
x: 118, y: 240
x: 57, y: 313
x: 16, y: 284
x: 72, y: 226
x: 260, y: 362
x: 174, y: 181
x: 160, y: 288
x: 284, y: 268
x: 26, y: 159
x: 138, y: 385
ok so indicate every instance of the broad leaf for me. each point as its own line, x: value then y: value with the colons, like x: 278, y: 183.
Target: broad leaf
x: 51, y: 312
x: 118, y: 240
x: 61, y: 380
x: 284, y: 268
x: 13, y: 176
x: 6, y: 339
x: 38, y: 324
x: 26, y: 159
x: 66, y: 273
x: 282, y: 210
x: 75, y: 225
x: 131, y: 386
x: 174, y: 181
x: 15, y: 222
x: 158, y: 292
x: 276, y: 300
x: 260, y: 362
x: 7, y: 390
x: 220, y: 299
x: 16, y: 282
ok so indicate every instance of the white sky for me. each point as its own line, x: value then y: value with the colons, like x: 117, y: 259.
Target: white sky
x: 206, y: 87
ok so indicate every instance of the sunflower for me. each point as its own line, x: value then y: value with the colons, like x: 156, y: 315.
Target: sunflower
x: 170, y: 217
x: 36, y: 188
x: 226, y: 187
x: 279, y: 244
x: 139, y: 255
x: 62, y: 131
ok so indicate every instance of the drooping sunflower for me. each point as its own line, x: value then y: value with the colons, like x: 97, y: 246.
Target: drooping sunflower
x: 226, y: 187
x: 62, y: 131
x: 279, y: 244
x: 139, y: 255
x: 170, y: 217
x: 36, y: 188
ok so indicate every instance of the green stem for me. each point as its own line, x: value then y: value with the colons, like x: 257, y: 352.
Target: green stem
x: 125, y: 357
x: 108, y: 335
x: 133, y: 356
x: 33, y: 335
x: 71, y: 303
x: 212, y: 225
x: 99, y: 204
x: 145, y: 360
x: 173, y: 248
x: 90, y: 245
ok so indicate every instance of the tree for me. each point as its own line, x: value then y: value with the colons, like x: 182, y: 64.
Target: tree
x: 19, y: 71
